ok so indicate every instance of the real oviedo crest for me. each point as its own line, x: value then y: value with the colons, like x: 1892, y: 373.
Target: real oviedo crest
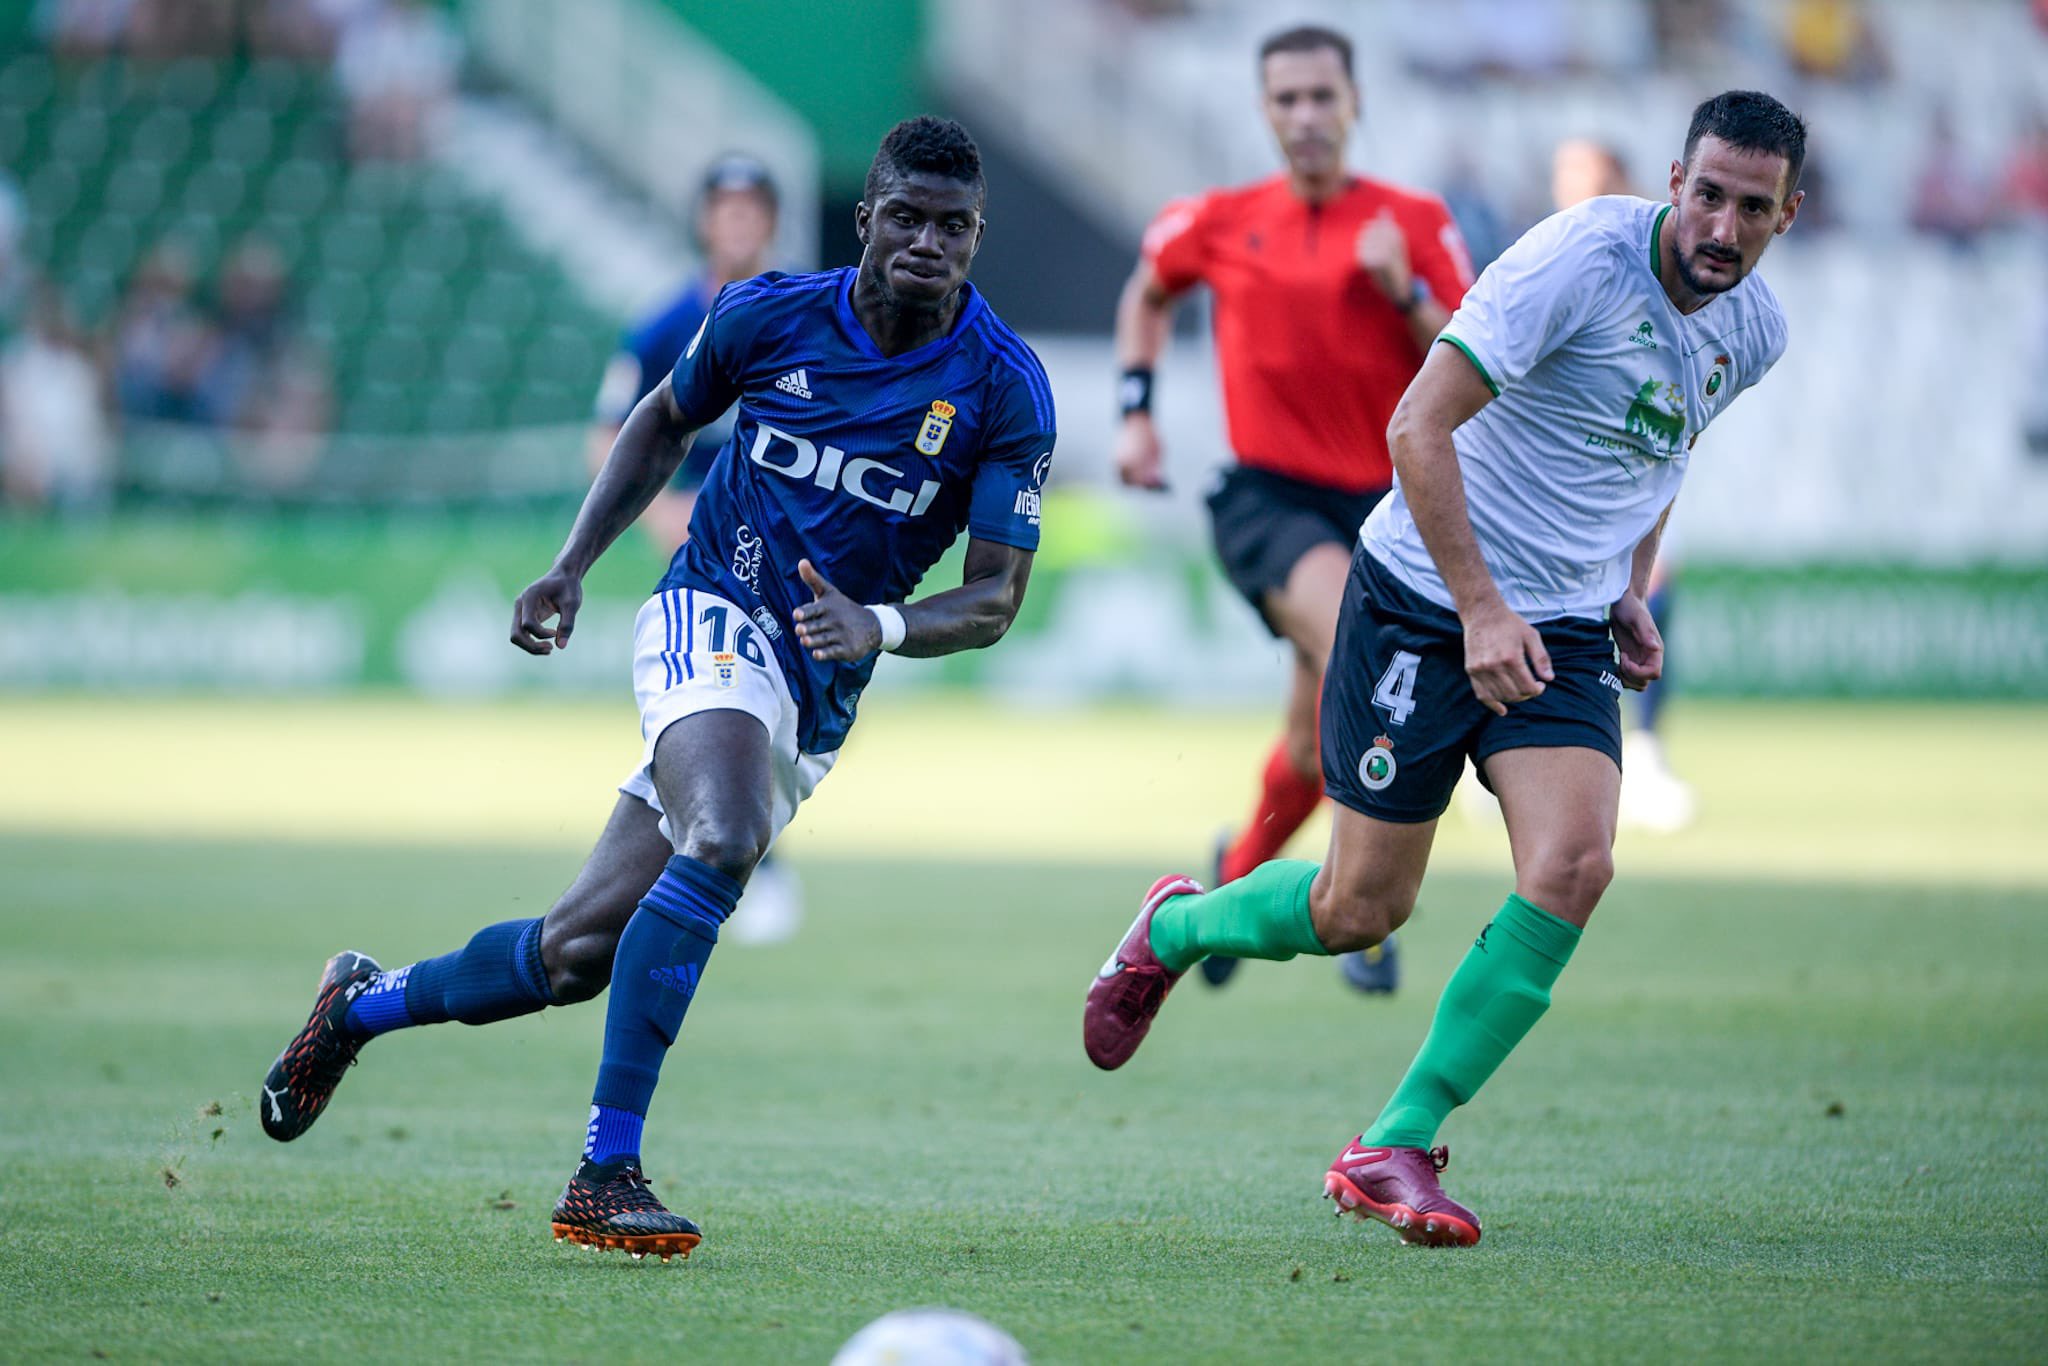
x: 931, y: 437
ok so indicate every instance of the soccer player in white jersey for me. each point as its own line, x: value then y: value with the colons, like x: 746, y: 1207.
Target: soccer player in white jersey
x: 1495, y: 610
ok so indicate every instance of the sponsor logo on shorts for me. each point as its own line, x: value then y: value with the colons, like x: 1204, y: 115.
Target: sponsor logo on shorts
x: 726, y: 663
x: 1610, y: 680
x: 1377, y: 767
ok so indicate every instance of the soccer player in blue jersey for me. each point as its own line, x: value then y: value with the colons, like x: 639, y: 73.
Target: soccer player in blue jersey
x: 882, y: 409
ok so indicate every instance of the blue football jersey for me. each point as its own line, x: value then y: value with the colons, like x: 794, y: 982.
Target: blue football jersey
x: 867, y: 465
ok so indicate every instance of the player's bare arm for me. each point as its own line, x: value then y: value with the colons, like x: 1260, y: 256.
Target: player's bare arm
x: 1383, y: 254
x: 1504, y: 654
x: 1144, y: 317
x: 642, y: 461
x: 1639, y: 643
x: 976, y: 614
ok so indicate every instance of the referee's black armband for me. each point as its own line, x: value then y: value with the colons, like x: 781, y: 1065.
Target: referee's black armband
x: 1134, y: 390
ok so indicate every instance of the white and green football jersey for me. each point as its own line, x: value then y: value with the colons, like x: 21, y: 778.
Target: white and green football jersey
x: 1601, y: 386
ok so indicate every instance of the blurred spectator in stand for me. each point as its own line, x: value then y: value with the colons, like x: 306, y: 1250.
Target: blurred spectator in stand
x: 1463, y: 41
x: 1834, y: 40
x: 54, y: 444
x: 300, y: 30
x: 159, y: 30
x: 86, y: 30
x: 1473, y: 210
x: 263, y: 379
x: 1817, y: 210
x: 1949, y: 200
x: 249, y: 329
x: 2023, y: 184
x: 162, y: 345
x: 13, y: 269
x: 1691, y: 34
x: 396, y: 64
x: 1582, y: 169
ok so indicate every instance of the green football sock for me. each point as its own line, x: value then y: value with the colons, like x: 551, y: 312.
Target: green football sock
x: 1492, y: 1000
x: 1263, y: 914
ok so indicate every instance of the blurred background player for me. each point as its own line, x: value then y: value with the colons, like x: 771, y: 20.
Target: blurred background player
x: 737, y: 213
x: 1652, y: 796
x: 1329, y: 288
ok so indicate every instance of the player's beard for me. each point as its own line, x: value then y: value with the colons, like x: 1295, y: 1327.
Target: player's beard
x: 1701, y: 286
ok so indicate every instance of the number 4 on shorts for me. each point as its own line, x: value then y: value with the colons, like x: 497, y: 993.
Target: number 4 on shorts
x: 1396, y: 689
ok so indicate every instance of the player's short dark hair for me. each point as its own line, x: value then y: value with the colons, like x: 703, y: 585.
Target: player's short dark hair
x: 925, y: 145
x: 1751, y: 121
x: 1308, y: 38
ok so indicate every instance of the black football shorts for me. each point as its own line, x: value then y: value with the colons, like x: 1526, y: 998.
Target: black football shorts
x: 1399, y: 715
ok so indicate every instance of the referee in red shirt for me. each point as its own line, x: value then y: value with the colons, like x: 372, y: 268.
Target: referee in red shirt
x: 1329, y: 289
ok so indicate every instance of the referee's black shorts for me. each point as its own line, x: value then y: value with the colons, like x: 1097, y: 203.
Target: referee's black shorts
x: 1265, y: 522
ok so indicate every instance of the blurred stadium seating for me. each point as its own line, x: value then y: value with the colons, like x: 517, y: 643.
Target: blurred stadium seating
x: 1882, y: 497
x: 436, y: 317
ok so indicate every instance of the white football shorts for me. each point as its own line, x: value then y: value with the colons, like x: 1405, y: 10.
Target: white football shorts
x: 695, y: 651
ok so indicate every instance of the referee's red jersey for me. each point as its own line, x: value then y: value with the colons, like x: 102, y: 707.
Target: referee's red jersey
x: 1313, y: 356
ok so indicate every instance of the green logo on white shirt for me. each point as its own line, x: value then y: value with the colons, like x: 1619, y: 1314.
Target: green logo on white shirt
x: 1657, y: 415
x: 1642, y: 337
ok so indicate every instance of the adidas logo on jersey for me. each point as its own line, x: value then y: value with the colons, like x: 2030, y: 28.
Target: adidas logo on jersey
x: 795, y: 382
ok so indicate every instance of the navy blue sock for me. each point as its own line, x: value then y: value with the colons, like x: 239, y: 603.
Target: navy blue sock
x: 660, y: 958
x: 611, y: 1133
x: 496, y: 976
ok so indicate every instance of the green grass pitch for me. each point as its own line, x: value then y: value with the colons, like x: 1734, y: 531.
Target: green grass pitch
x: 1791, y: 1103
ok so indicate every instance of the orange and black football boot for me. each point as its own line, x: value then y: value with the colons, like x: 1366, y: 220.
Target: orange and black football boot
x: 610, y: 1205
x: 303, y: 1078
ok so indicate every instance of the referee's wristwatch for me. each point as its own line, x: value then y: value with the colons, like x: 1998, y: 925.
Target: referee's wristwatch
x: 1418, y: 295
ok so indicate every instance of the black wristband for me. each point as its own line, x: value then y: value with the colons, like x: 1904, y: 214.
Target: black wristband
x: 1134, y: 390
x: 1418, y: 294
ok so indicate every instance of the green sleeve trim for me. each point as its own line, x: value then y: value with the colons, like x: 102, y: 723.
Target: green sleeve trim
x: 1447, y: 337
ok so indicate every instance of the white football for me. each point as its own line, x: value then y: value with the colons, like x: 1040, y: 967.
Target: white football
x: 930, y: 1337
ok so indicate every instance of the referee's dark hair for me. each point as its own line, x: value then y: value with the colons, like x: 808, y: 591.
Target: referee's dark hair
x: 1751, y: 121
x: 1309, y: 38
x: 925, y: 145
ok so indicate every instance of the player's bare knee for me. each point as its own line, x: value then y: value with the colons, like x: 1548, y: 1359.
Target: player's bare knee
x: 1347, y: 919
x: 1569, y: 882
x: 578, y: 960
x: 731, y: 848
